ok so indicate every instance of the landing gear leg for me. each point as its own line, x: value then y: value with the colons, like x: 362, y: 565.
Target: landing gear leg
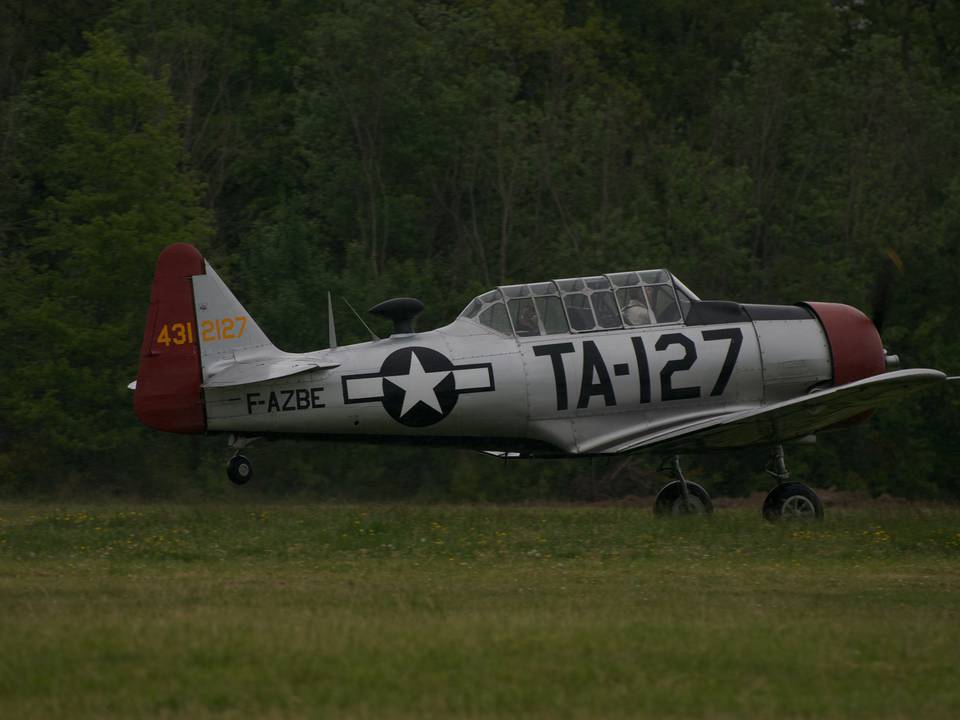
x: 788, y: 500
x: 682, y: 497
x: 239, y: 469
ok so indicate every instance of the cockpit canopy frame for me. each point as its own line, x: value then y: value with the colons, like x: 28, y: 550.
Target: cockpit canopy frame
x: 582, y: 305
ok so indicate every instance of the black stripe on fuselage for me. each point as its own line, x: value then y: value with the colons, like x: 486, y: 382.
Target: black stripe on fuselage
x: 721, y: 312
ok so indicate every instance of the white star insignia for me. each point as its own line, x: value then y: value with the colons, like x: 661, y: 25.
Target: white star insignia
x: 418, y: 385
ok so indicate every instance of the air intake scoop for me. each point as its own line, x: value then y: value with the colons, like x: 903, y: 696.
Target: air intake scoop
x: 401, y: 311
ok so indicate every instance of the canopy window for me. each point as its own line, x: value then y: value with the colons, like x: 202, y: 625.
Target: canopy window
x: 586, y: 304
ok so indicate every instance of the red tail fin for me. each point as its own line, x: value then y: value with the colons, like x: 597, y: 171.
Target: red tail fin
x: 168, y: 395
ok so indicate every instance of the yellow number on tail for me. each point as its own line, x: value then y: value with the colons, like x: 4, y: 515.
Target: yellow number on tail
x: 221, y: 329
x: 182, y: 334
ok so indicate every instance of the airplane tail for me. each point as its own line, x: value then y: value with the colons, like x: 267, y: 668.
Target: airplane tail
x: 195, y: 327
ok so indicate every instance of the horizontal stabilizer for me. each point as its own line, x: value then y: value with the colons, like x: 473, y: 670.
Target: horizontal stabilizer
x: 778, y: 422
x: 246, y: 373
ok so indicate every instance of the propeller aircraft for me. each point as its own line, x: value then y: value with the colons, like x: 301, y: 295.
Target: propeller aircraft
x: 604, y: 365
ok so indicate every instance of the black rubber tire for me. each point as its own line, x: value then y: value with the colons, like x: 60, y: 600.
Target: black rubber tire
x: 792, y: 501
x: 670, y: 500
x: 239, y: 470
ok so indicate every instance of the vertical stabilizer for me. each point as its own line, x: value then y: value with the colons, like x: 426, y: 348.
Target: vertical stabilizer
x: 168, y: 394
x: 226, y: 329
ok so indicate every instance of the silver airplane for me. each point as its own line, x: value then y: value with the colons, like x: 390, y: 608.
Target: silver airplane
x: 591, y: 366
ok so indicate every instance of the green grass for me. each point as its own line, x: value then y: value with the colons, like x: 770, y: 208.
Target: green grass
x: 379, y: 611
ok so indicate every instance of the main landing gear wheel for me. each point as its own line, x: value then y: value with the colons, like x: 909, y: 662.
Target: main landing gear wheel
x: 681, y: 497
x: 670, y: 500
x: 239, y: 470
x: 788, y: 500
x: 792, y: 501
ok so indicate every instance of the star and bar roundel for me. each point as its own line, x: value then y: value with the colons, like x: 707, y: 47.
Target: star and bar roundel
x: 418, y: 386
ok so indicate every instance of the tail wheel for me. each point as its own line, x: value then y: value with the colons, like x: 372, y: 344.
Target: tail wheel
x: 239, y: 470
x: 792, y: 501
x: 670, y: 500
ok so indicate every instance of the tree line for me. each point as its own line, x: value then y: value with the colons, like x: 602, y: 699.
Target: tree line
x: 438, y: 148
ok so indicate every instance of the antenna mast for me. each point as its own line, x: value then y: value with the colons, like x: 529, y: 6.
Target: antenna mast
x: 331, y: 328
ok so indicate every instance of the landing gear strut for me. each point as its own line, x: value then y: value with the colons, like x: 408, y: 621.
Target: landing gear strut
x: 682, y: 497
x: 788, y: 500
x: 239, y: 469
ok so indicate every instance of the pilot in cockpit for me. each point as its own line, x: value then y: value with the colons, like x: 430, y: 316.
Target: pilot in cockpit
x: 663, y: 304
x: 526, y: 320
x: 635, y: 310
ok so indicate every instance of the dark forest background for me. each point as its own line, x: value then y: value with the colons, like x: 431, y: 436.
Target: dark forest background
x: 763, y: 151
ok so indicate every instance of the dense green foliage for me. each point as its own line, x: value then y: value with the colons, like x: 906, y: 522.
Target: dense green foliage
x: 433, y: 611
x: 436, y: 148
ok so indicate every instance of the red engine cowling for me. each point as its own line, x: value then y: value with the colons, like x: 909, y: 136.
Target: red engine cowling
x: 855, y: 345
x: 168, y: 395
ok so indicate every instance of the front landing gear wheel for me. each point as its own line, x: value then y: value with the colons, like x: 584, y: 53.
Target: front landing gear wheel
x: 239, y: 470
x: 792, y: 501
x: 670, y: 500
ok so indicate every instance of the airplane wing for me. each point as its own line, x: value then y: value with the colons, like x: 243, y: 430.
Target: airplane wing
x: 781, y: 421
x: 245, y: 373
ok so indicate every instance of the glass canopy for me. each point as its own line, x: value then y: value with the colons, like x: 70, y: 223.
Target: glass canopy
x: 587, y: 304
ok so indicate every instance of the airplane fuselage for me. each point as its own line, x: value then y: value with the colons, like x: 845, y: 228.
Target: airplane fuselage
x: 573, y: 393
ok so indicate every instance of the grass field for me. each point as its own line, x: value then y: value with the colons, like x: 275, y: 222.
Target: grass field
x: 376, y: 611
